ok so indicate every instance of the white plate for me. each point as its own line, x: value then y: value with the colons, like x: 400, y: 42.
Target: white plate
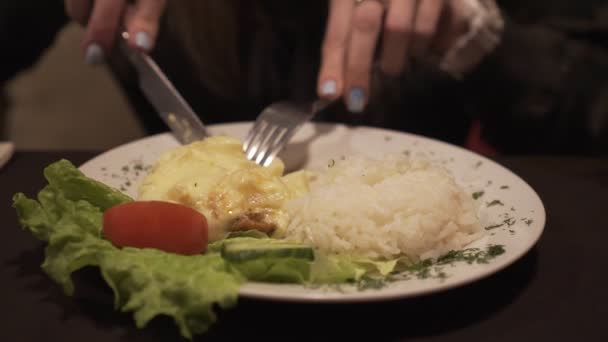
x: 315, y: 145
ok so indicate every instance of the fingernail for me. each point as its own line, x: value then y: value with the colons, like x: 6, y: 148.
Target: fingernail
x: 94, y: 54
x: 329, y: 88
x: 356, y: 100
x: 143, y: 41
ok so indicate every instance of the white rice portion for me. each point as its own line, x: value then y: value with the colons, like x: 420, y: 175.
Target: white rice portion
x: 384, y: 208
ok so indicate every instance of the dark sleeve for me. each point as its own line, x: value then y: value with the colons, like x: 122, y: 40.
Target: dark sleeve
x: 542, y: 91
x: 27, y: 28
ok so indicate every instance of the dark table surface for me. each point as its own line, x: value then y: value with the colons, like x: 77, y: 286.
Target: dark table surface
x: 558, y: 291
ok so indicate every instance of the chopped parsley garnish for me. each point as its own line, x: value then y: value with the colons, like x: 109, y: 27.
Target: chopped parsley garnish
x: 494, y: 202
x: 472, y: 255
x: 367, y: 283
x: 495, y: 250
x: 430, y: 268
x: 504, y: 187
x: 494, y: 226
x: 423, y: 269
x: 478, y: 194
x: 509, y: 221
x: 440, y: 273
x: 331, y: 163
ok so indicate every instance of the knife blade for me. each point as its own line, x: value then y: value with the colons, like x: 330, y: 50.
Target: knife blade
x: 172, y: 108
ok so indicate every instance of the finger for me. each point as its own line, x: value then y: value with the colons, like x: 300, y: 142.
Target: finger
x: 453, y: 23
x: 425, y: 25
x: 331, y: 74
x: 102, y: 29
x: 397, y: 35
x: 79, y: 10
x: 367, y: 21
x: 142, y: 23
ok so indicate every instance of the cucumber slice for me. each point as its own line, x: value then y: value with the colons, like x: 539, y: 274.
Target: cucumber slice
x: 264, y: 248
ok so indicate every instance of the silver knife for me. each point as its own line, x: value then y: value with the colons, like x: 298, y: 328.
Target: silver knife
x: 186, y: 126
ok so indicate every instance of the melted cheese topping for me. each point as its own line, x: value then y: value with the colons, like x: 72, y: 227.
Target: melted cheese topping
x: 214, y: 177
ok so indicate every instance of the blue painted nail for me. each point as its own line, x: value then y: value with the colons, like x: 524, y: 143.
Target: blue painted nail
x: 143, y: 41
x: 356, y: 100
x: 329, y: 87
x: 94, y: 54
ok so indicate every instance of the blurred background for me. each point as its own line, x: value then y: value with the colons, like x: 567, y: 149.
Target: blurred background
x: 62, y: 103
x: 545, y: 89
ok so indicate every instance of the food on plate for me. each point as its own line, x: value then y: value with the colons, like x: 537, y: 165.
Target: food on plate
x: 167, y: 226
x: 378, y: 208
x: 268, y: 260
x: 214, y: 177
x: 207, y: 221
x: 383, y: 209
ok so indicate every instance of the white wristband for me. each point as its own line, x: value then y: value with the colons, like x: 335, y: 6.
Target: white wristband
x: 486, y: 25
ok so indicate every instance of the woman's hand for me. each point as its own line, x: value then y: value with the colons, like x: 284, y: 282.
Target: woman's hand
x: 104, y: 18
x: 408, y: 28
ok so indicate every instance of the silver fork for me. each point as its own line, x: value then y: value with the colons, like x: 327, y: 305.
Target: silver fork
x: 275, y: 126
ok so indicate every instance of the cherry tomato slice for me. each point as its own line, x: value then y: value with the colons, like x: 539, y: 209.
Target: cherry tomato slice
x: 162, y: 225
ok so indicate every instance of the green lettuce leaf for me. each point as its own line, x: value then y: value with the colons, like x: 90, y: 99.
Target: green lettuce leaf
x: 336, y: 269
x: 75, y: 186
x: 68, y: 216
x: 151, y: 282
x: 275, y: 269
x: 376, y: 267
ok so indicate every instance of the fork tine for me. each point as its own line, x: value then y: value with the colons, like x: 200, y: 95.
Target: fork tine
x: 258, y: 141
x: 269, y: 145
x: 266, y: 140
x: 278, y: 145
x: 275, y: 127
x: 256, y: 135
x: 252, y: 134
